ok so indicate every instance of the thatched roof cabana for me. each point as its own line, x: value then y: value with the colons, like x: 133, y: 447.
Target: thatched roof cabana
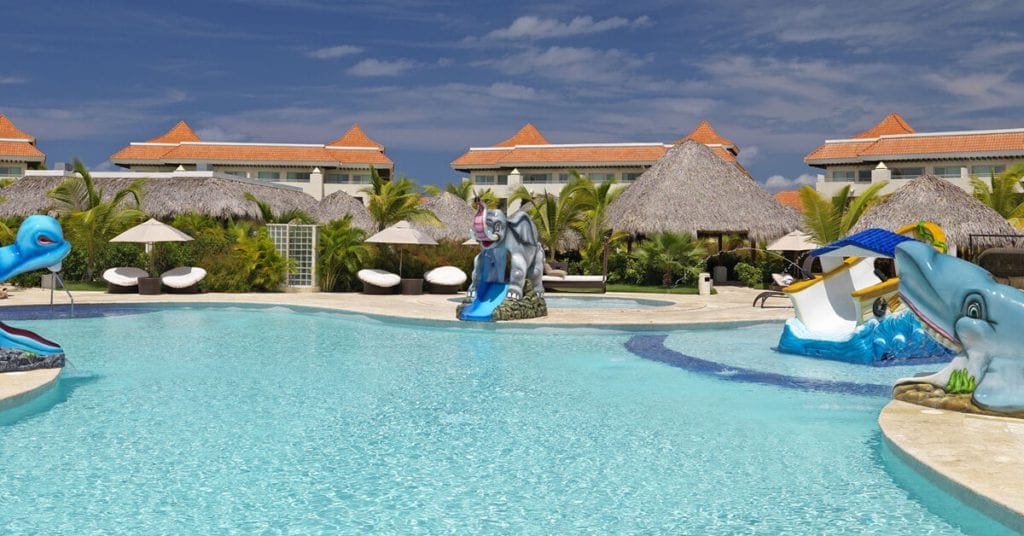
x: 165, y: 197
x: 455, y: 214
x: 691, y: 190
x: 338, y: 205
x: 933, y: 199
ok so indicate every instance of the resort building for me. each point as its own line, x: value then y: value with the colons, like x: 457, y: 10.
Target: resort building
x: 528, y: 159
x: 18, y: 151
x: 892, y: 150
x: 318, y: 169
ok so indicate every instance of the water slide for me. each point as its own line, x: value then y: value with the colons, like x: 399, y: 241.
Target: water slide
x: 489, y: 296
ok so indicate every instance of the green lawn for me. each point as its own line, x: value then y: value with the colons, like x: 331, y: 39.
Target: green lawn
x: 654, y: 289
x: 81, y: 285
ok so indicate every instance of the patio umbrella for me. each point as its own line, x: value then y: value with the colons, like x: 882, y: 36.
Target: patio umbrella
x: 149, y: 233
x: 794, y: 241
x: 402, y: 233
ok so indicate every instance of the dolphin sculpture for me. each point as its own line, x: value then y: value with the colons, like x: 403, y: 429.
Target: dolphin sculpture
x: 962, y: 306
x: 39, y: 244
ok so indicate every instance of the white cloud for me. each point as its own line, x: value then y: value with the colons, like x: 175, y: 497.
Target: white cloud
x: 505, y: 90
x: 778, y: 183
x: 570, y: 63
x: 339, y: 51
x: 9, y: 80
x: 530, y: 27
x: 374, y: 67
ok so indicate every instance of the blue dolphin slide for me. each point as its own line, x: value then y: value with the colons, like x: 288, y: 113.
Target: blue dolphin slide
x: 489, y: 296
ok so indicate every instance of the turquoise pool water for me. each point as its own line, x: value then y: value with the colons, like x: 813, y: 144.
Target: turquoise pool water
x: 211, y: 420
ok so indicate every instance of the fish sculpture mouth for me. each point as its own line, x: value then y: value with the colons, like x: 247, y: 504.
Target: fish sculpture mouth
x: 30, y: 339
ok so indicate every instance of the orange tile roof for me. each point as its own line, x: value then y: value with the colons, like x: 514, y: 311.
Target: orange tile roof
x: 528, y: 135
x: 157, y: 151
x: 178, y: 133
x: 706, y: 134
x: 8, y: 130
x: 20, y: 150
x: 790, y: 198
x: 355, y: 137
x: 889, y: 125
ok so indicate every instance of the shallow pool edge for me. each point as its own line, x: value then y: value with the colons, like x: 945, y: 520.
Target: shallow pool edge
x: 19, y: 388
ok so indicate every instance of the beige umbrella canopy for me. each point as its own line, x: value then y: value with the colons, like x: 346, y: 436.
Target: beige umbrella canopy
x: 454, y: 214
x: 338, y: 205
x: 794, y: 241
x: 399, y: 234
x: 933, y: 199
x: 150, y: 232
x: 692, y: 190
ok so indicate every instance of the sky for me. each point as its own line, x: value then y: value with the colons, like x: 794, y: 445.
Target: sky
x: 431, y: 79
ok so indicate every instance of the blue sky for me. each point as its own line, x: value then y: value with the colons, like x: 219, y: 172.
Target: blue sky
x: 429, y: 79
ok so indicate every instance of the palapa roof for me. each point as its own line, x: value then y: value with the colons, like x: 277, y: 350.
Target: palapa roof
x: 529, y: 148
x: 893, y: 139
x: 181, y: 145
x: 455, y: 214
x: 338, y: 205
x: 165, y: 197
x: 693, y: 191
x: 16, y: 145
x: 929, y: 198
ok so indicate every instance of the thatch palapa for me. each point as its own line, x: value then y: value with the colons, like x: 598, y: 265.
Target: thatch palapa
x: 338, y: 205
x: 455, y: 216
x: 691, y: 190
x: 929, y: 198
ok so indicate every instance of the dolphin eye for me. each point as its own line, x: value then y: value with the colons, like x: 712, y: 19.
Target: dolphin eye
x: 44, y: 240
x: 974, y: 307
x: 498, y: 226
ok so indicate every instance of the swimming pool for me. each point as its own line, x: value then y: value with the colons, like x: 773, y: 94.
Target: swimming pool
x: 596, y: 302
x: 271, y: 419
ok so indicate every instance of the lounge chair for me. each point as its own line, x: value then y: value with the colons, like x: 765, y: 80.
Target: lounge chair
x: 555, y: 278
x: 123, y: 279
x: 183, y: 280
x: 445, y: 280
x: 779, y: 282
x: 379, y: 281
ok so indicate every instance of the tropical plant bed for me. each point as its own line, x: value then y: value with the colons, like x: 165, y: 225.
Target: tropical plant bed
x: 14, y: 360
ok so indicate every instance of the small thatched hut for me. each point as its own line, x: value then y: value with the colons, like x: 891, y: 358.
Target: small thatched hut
x: 933, y: 199
x: 455, y: 215
x: 692, y: 190
x: 338, y: 205
x: 165, y: 197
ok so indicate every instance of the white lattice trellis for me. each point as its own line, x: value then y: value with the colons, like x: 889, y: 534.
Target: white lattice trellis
x: 298, y: 243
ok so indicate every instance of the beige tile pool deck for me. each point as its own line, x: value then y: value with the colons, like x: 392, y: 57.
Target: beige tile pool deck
x: 976, y: 457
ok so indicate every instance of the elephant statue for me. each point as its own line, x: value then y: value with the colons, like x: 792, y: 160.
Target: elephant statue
x: 503, y: 238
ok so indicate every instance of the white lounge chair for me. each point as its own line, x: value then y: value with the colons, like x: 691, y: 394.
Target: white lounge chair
x: 378, y: 281
x: 555, y: 278
x: 184, y: 279
x: 445, y: 279
x: 123, y: 279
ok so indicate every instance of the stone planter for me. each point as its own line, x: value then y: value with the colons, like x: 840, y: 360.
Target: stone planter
x: 14, y: 360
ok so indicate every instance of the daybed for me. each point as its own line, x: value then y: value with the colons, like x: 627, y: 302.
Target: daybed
x: 555, y: 278
x: 184, y: 279
x: 379, y: 281
x: 123, y: 279
x: 445, y: 280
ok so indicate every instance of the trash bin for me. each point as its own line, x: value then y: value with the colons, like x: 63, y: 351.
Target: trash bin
x: 721, y: 274
x: 704, y: 284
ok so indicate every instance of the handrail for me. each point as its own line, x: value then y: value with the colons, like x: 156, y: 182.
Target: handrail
x: 59, y: 279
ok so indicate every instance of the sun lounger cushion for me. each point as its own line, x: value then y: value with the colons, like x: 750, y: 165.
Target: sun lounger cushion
x: 124, y: 276
x: 378, y: 278
x: 445, y: 275
x: 182, y: 277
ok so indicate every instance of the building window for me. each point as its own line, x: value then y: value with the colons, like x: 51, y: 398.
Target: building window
x: 947, y: 172
x: 363, y: 178
x: 907, y: 172
x: 864, y: 175
x: 271, y: 176
x: 844, y: 175
x: 630, y: 177
x: 483, y: 179
x: 297, y: 176
x: 986, y: 171
x: 336, y: 178
x: 502, y: 180
x: 10, y: 171
x: 535, y: 178
x: 600, y: 177
x: 237, y: 173
x: 563, y: 177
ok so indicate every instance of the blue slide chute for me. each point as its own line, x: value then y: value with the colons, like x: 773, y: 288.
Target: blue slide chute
x: 489, y: 296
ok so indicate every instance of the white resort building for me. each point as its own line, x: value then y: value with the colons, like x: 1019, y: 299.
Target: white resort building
x: 18, y: 151
x: 892, y: 150
x: 318, y: 169
x: 528, y: 159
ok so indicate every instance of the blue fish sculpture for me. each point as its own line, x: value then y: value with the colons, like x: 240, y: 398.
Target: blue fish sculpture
x: 39, y: 244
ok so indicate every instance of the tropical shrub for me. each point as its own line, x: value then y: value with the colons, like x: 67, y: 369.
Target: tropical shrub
x: 341, y: 253
x: 672, y: 254
x: 749, y: 274
x: 251, y: 264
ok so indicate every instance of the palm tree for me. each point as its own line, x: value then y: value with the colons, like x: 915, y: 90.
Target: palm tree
x: 672, y: 253
x: 1003, y: 197
x: 342, y: 252
x: 829, y: 220
x: 465, y: 191
x: 90, y: 222
x: 293, y: 216
x: 394, y: 201
x: 553, y: 216
x: 593, y: 223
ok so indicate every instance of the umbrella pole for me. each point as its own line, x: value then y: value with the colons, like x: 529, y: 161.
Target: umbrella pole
x: 401, y: 253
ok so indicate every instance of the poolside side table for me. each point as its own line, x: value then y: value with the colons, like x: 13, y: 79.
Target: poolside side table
x: 412, y: 286
x: 149, y: 285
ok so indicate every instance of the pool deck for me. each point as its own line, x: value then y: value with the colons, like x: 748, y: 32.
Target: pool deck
x: 974, y: 457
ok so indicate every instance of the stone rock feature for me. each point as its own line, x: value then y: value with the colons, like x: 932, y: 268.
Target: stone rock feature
x: 530, y: 306
x: 924, y: 394
x: 15, y: 360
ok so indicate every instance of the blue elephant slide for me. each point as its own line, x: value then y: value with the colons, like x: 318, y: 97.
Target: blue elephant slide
x: 489, y: 296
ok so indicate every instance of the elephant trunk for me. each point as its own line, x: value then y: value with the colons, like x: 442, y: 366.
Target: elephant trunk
x: 479, y: 227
